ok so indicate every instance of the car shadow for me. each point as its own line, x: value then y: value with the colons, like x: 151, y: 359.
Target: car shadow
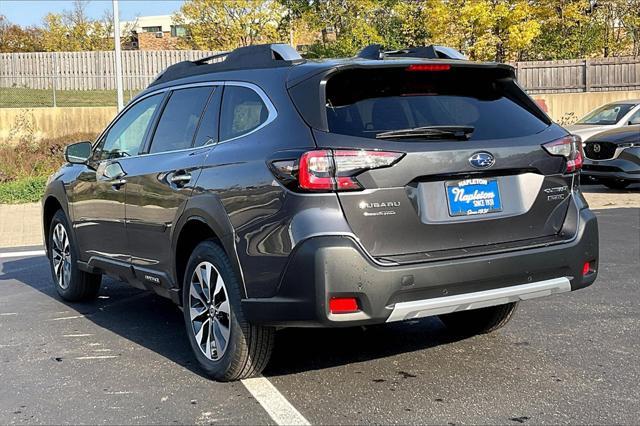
x: 157, y: 324
x: 597, y: 188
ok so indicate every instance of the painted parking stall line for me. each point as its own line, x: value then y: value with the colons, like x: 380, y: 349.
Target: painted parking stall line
x: 28, y: 253
x: 275, y: 404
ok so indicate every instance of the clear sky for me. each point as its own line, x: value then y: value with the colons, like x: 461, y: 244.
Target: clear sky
x: 31, y: 12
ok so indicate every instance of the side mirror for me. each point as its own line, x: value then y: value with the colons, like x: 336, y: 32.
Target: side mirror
x: 78, y: 153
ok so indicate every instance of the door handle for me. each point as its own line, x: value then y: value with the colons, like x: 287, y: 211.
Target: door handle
x: 117, y: 183
x: 181, y: 179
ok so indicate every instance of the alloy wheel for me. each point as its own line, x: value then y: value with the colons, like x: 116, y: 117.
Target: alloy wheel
x: 61, y: 256
x: 209, y: 311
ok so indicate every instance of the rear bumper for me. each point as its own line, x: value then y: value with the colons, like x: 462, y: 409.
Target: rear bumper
x: 336, y: 266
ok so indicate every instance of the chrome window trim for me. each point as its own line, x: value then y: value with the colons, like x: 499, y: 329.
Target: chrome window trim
x: 273, y: 113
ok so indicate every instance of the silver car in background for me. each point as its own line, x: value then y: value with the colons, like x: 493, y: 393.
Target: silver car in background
x: 607, y: 117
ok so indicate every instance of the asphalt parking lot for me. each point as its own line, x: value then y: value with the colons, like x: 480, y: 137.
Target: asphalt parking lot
x: 572, y: 358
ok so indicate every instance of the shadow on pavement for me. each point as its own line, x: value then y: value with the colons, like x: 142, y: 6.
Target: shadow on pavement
x: 597, y: 188
x: 157, y: 324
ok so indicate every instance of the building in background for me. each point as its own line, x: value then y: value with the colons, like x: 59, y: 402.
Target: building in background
x: 152, y: 33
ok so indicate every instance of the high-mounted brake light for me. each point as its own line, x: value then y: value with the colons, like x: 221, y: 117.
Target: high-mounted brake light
x: 335, y: 170
x: 569, y: 147
x: 429, y: 67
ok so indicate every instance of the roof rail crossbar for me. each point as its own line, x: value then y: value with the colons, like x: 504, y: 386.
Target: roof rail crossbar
x: 377, y: 52
x: 256, y: 56
x: 206, y: 59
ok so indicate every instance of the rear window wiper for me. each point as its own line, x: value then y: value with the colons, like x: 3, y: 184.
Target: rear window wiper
x: 444, y: 132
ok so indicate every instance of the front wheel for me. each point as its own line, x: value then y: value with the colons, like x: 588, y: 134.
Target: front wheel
x: 226, y: 346
x: 71, y: 283
x: 479, y: 321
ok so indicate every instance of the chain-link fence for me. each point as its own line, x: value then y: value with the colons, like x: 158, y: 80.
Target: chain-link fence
x: 59, y: 79
x: 54, y: 91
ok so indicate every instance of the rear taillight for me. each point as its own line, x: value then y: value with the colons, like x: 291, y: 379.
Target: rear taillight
x: 336, y: 170
x: 569, y: 147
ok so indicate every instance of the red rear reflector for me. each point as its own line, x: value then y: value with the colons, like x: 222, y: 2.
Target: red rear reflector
x: 587, y: 268
x: 343, y: 305
x: 429, y: 67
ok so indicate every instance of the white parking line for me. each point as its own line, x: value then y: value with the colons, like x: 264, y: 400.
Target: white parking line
x: 67, y: 318
x: 22, y: 253
x: 97, y: 357
x: 274, y: 403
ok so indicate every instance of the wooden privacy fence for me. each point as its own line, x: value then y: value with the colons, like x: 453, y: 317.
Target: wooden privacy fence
x: 579, y: 75
x: 96, y: 71
x: 87, y: 70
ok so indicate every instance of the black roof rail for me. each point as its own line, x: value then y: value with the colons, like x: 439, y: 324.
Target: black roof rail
x: 256, y: 56
x: 377, y: 52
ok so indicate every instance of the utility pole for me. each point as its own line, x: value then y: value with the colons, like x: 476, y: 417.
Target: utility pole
x: 116, y: 40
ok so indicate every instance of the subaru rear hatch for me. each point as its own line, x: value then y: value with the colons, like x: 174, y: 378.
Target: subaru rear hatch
x: 435, y: 158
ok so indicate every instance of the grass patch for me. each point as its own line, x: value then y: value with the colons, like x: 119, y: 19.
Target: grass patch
x: 27, y: 190
x: 20, y: 97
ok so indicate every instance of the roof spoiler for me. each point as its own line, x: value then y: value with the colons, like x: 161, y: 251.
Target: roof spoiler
x: 377, y: 52
x: 257, y: 56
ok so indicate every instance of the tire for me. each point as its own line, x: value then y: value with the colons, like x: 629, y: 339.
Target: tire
x: 238, y: 349
x: 615, y: 183
x: 71, y: 283
x: 478, y: 321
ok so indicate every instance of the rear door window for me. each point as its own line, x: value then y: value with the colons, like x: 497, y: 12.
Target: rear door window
x: 179, y: 120
x: 242, y: 112
x: 365, y: 102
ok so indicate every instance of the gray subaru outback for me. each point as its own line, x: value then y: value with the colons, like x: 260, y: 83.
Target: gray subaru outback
x: 260, y: 190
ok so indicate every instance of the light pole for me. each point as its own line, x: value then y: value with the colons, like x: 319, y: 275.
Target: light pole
x: 116, y: 40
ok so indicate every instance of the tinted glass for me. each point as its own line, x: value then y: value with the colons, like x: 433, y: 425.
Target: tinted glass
x: 607, y: 115
x: 635, y: 118
x: 179, y: 119
x: 208, y: 128
x: 242, y: 111
x: 366, y: 102
x: 126, y: 136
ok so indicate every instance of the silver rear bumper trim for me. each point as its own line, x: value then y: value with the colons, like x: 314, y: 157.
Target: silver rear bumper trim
x: 481, y: 299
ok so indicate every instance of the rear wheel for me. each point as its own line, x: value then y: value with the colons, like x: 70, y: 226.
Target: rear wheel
x: 615, y: 183
x: 226, y: 346
x: 71, y: 283
x: 478, y: 321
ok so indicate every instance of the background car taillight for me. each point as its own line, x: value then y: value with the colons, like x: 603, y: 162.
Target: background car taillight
x: 569, y: 147
x: 331, y: 170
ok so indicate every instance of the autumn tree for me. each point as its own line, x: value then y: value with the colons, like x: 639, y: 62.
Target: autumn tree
x: 216, y: 25
x: 72, y: 30
x: 14, y: 38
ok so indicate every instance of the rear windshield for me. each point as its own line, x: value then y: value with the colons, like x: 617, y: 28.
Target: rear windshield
x: 365, y: 102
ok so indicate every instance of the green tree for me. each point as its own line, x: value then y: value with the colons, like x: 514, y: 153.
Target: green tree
x: 217, y: 25
x: 345, y: 26
x: 569, y: 31
x: 616, y: 21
